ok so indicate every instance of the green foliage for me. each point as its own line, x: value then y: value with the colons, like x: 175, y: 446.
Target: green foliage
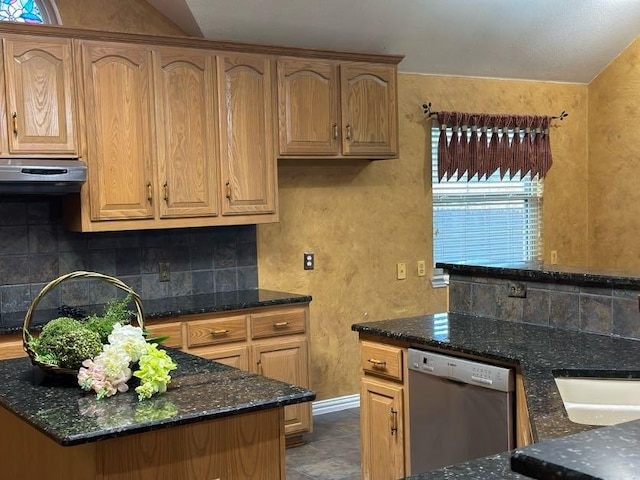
x: 57, y: 326
x: 72, y: 347
x: 116, y: 311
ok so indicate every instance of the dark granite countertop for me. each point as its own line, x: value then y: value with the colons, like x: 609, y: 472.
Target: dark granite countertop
x: 540, y: 352
x: 174, y: 306
x: 540, y: 272
x: 200, y: 390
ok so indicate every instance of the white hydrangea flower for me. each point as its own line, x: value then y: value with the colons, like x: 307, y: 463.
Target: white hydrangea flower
x: 130, y: 339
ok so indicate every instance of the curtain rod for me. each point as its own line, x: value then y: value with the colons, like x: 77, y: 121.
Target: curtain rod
x: 426, y: 107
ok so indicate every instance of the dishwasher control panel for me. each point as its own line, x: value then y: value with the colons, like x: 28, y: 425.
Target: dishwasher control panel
x: 461, y: 370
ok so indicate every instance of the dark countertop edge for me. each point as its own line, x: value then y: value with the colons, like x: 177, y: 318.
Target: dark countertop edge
x: 415, y: 340
x: 196, y: 417
x: 532, y: 467
x: 540, y: 272
x: 226, y: 308
x: 172, y: 312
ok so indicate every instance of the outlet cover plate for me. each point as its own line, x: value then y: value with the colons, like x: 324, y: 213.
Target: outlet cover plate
x: 517, y: 290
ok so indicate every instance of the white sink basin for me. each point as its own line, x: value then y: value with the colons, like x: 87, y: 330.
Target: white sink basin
x: 600, y: 401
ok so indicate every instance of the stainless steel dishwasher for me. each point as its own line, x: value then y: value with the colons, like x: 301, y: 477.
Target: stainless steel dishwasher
x: 458, y: 410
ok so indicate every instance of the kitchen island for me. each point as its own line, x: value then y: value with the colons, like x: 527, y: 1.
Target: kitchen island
x: 213, y: 422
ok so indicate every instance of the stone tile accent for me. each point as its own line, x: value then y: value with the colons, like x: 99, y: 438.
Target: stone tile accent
x: 35, y: 248
x: 596, y: 310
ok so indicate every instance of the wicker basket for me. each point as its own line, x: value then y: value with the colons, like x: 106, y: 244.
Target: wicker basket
x: 79, y: 274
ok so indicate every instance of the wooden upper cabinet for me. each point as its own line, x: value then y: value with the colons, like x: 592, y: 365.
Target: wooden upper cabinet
x: 40, y: 95
x: 309, y: 122
x: 369, y: 109
x: 118, y: 114
x: 247, y: 154
x: 187, y: 153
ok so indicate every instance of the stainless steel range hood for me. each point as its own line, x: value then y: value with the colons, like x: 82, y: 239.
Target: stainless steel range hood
x: 41, y: 176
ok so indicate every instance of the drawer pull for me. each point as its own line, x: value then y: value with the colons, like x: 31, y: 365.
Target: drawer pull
x: 377, y: 363
x: 218, y: 333
x: 280, y: 324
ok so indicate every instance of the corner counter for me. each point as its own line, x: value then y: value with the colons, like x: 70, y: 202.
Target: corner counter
x: 539, y: 352
x: 214, y: 421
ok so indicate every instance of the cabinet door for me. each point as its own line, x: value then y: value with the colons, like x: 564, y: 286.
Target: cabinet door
x: 233, y: 356
x: 40, y: 95
x: 382, y: 434
x: 308, y: 107
x: 245, y: 106
x: 286, y: 361
x: 186, y: 132
x: 369, y: 109
x: 119, y: 112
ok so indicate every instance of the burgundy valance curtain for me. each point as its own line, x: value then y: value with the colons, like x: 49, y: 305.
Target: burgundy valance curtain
x: 481, y: 144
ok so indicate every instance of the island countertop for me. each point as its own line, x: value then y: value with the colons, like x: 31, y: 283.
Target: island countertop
x: 540, y: 352
x: 200, y: 390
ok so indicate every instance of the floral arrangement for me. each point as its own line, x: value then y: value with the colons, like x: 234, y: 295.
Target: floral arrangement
x: 109, y: 372
x: 105, y: 350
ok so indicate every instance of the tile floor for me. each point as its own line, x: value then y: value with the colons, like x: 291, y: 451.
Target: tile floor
x: 332, y: 451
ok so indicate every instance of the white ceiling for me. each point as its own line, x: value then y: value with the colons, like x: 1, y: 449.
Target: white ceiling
x: 557, y: 40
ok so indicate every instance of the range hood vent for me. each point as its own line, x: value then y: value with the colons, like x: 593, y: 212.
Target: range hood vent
x: 45, y: 176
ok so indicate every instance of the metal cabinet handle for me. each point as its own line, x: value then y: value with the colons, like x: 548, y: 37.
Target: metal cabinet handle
x: 348, y: 133
x: 165, y: 187
x: 229, y: 190
x: 15, y: 123
x: 280, y: 324
x: 377, y: 363
x: 149, y: 192
x: 335, y: 131
x: 394, y: 421
x: 219, y: 332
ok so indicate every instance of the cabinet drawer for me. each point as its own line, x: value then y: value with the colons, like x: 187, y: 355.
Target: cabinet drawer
x: 272, y: 324
x: 381, y: 359
x: 216, y: 331
x: 172, y: 330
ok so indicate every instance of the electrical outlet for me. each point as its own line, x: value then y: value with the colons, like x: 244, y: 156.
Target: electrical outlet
x: 401, y: 269
x: 517, y: 290
x: 554, y: 257
x: 422, y: 268
x: 163, y: 269
x: 309, y: 261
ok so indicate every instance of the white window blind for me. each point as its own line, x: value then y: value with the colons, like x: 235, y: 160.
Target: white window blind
x: 487, y: 220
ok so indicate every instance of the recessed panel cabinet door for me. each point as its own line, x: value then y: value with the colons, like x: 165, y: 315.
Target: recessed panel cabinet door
x: 247, y: 155
x: 308, y: 107
x: 186, y: 134
x: 286, y: 361
x: 369, y: 109
x: 40, y: 95
x: 119, y: 112
x: 382, y: 433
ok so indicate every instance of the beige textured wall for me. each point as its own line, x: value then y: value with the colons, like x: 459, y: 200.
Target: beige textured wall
x: 130, y: 16
x: 361, y: 218
x: 614, y: 164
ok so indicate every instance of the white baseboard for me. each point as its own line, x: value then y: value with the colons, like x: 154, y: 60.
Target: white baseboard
x: 336, y: 404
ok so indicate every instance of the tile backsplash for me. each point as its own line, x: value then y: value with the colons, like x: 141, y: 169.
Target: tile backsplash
x: 608, y: 311
x: 35, y: 249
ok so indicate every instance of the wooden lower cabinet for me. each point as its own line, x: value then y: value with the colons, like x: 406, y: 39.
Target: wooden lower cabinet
x: 271, y: 341
x: 11, y: 347
x: 381, y: 429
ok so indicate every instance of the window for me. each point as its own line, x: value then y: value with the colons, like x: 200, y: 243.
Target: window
x: 487, y: 220
x: 29, y: 11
